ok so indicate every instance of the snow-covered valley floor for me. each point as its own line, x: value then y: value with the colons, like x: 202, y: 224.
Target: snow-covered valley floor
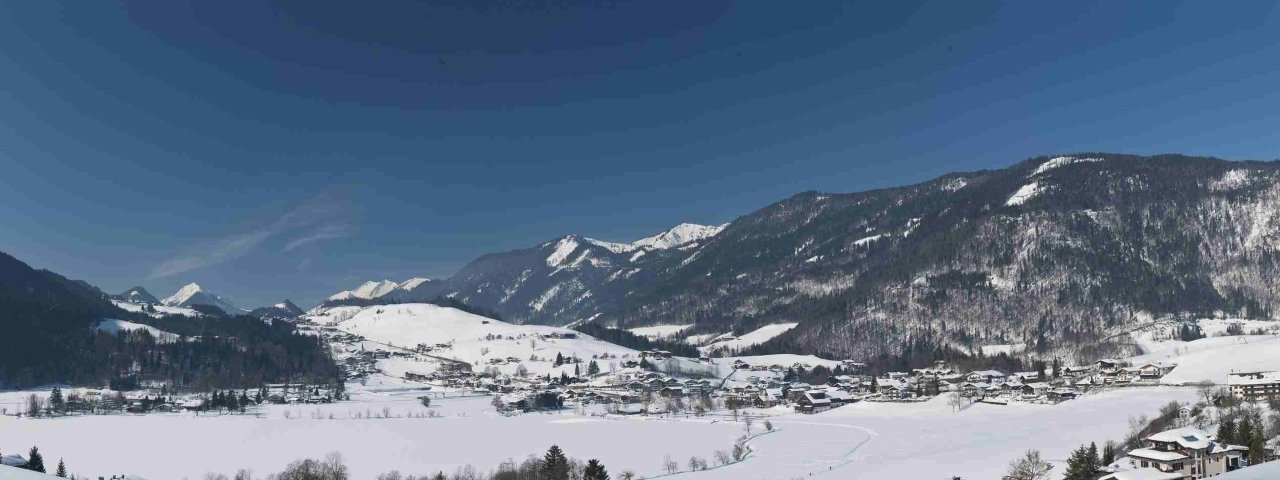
x: 866, y: 440
x: 182, y: 445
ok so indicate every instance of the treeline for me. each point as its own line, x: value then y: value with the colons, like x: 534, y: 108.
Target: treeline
x: 635, y: 342
x: 237, y: 352
x: 44, y: 325
x: 918, y: 352
x: 47, y: 331
x: 35, y: 463
x: 554, y: 465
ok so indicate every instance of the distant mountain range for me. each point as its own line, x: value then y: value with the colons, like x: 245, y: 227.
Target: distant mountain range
x: 194, y: 296
x: 1053, y: 252
x: 553, y: 283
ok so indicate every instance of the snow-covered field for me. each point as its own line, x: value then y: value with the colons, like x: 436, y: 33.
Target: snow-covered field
x: 865, y: 440
x: 754, y: 337
x: 182, y: 445
x: 928, y: 441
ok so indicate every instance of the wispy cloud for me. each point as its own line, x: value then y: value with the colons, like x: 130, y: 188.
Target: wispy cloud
x: 329, y: 231
x: 323, y: 217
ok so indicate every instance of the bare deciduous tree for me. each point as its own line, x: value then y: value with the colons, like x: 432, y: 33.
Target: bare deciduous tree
x: 669, y: 465
x: 1029, y: 467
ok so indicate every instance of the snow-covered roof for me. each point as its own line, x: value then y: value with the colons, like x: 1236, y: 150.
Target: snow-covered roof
x: 1188, y: 437
x: 13, y: 460
x: 838, y: 394
x: 1265, y: 471
x: 817, y: 398
x: 1143, y: 474
x: 988, y: 373
x: 1161, y: 455
x: 1253, y: 378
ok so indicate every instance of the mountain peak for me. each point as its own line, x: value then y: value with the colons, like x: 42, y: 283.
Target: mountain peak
x: 192, y: 294
x: 185, y: 293
x: 679, y: 235
x: 412, y: 283
x: 136, y: 295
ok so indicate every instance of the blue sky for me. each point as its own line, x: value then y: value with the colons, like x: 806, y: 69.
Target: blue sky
x: 296, y: 149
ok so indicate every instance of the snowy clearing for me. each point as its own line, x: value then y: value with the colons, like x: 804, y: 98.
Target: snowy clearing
x: 755, y: 337
x: 114, y: 327
x: 1213, y: 358
x: 660, y: 331
x: 1024, y: 193
x: 1007, y: 349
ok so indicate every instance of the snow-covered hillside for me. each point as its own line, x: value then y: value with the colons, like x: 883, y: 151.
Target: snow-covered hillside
x: 476, y: 339
x: 678, y: 235
x: 755, y: 337
x: 114, y: 326
x: 159, y: 310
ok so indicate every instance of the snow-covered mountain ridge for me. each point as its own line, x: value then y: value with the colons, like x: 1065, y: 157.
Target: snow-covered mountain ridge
x: 539, y: 285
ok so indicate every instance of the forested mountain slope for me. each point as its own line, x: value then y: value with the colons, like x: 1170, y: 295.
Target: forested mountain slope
x: 1055, y: 252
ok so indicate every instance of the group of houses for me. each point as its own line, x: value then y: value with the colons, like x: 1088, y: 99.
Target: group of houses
x: 1114, y: 372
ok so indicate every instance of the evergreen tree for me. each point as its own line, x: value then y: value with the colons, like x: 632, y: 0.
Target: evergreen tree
x: 1078, y: 467
x: 593, y: 368
x: 1227, y: 430
x: 56, y: 402
x: 559, y: 359
x: 62, y: 469
x: 35, y: 462
x: 1095, y: 462
x: 595, y: 471
x: 1109, y: 453
x: 555, y: 466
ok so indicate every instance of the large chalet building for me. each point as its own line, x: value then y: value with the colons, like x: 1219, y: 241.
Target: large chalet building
x: 1255, y: 385
x: 1183, y: 453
